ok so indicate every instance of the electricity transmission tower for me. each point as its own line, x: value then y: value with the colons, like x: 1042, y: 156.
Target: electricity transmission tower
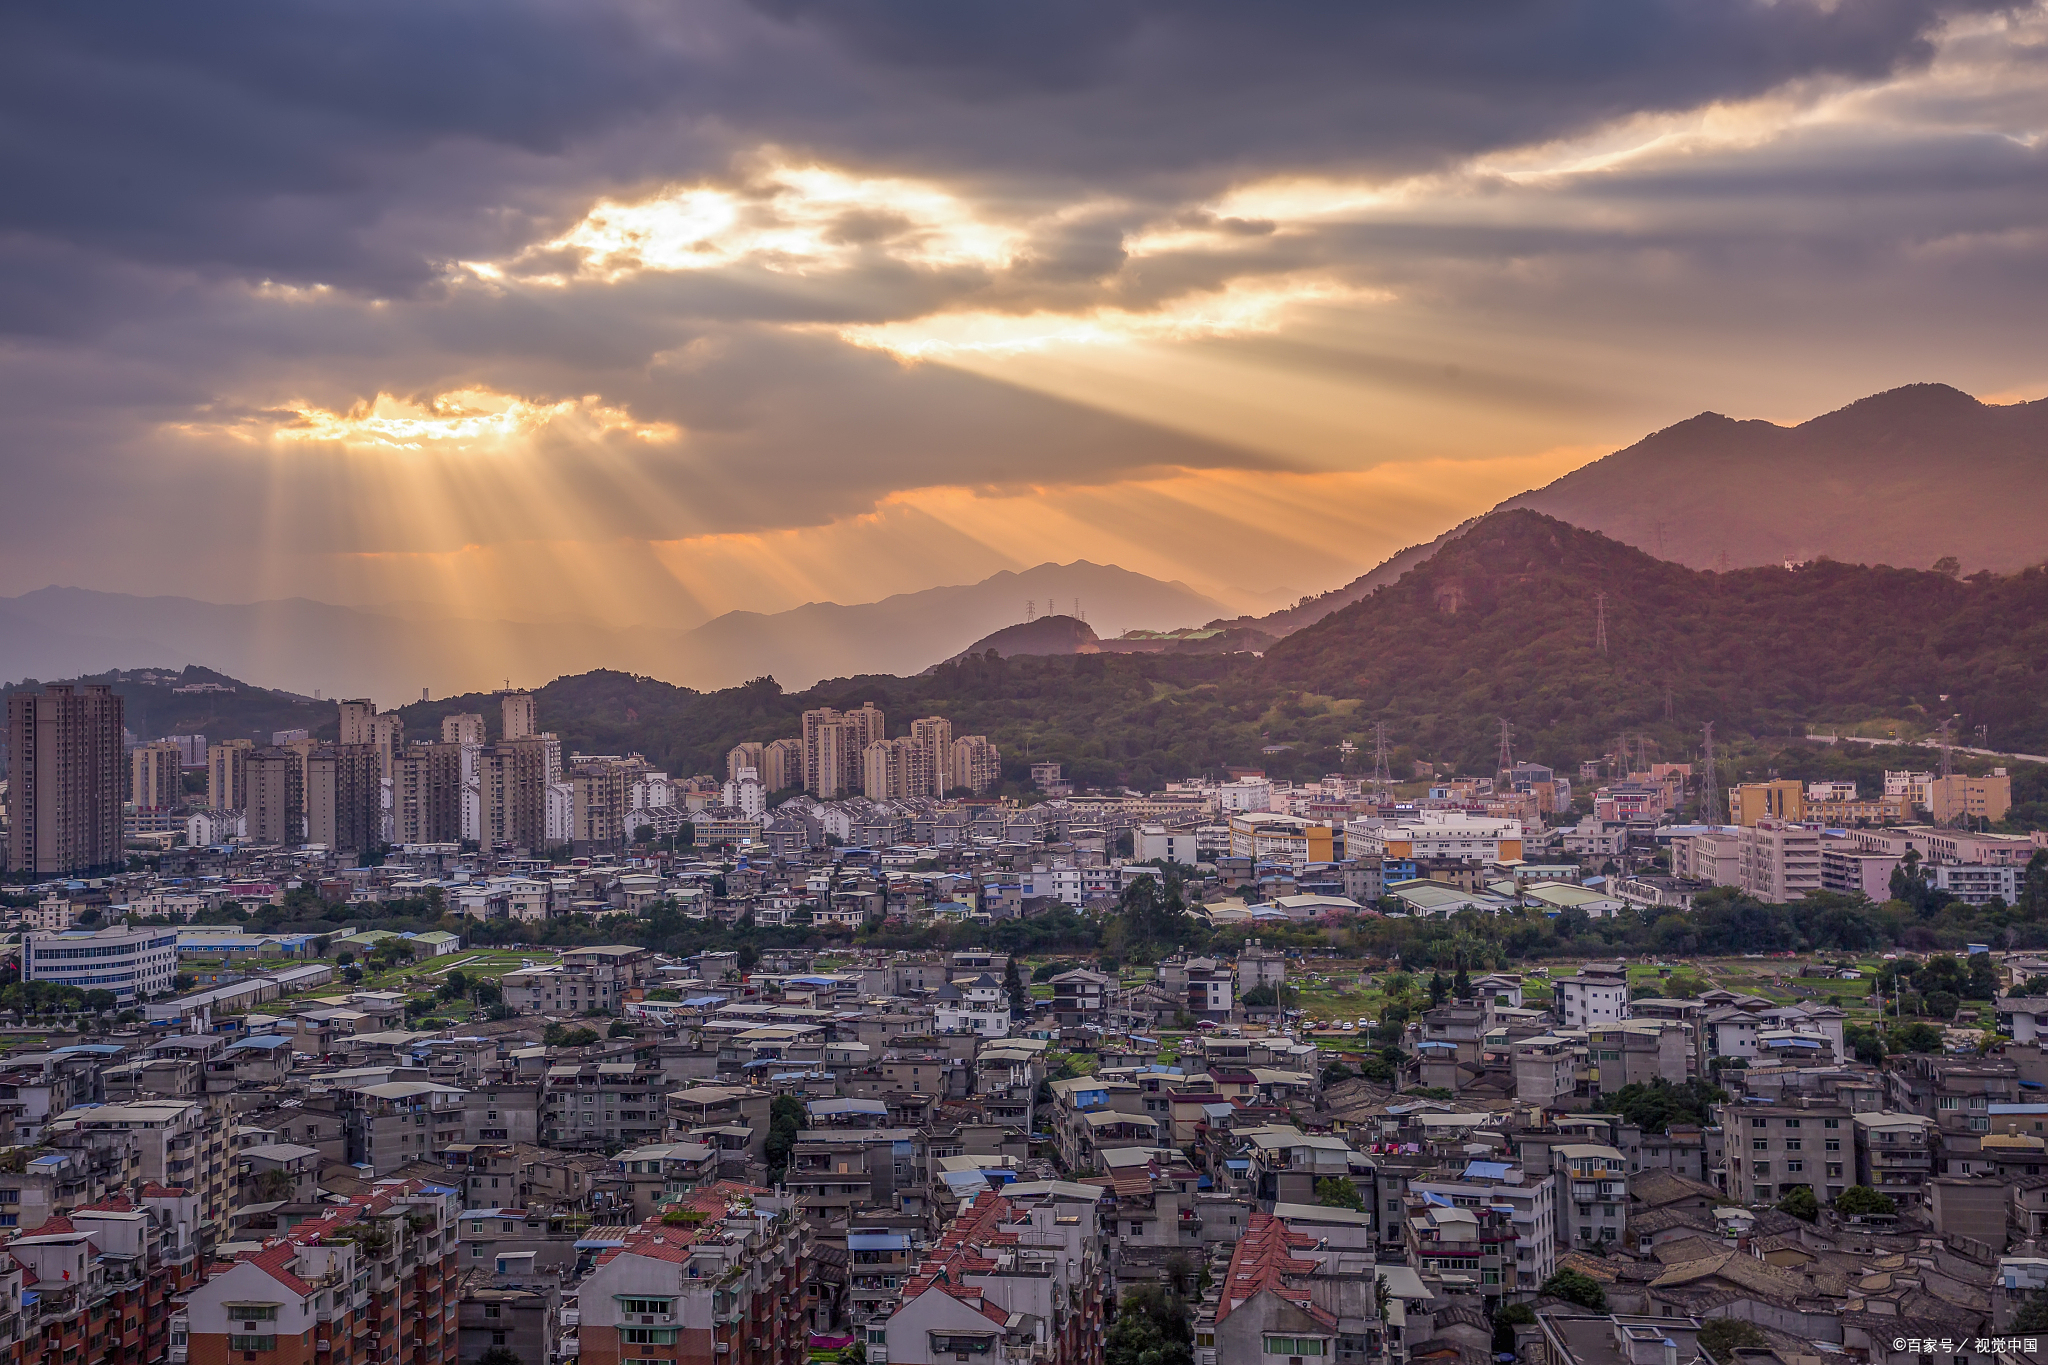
x: 1710, y: 788
x: 1382, y: 776
x: 1600, y: 621
x: 1031, y: 609
x: 1667, y: 701
x: 1507, y: 748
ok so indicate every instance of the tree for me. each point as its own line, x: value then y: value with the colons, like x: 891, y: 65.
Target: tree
x: 1335, y: 1072
x: 1013, y: 986
x: 343, y: 958
x: 643, y: 834
x: 1655, y: 1106
x: 1914, y: 1038
x: 1576, y: 1287
x: 1335, y: 1192
x: 1859, y: 1201
x: 1260, y: 997
x: 1866, y: 1042
x: 1801, y: 1203
x: 1151, y: 1328
x: 99, y: 1002
x: 2032, y: 1317
x: 620, y: 1029
x: 1439, y: 987
x: 184, y: 981
x: 561, y: 1035
x: 785, y: 1121
x: 1720, y: 1338
x: 1504, y: 1323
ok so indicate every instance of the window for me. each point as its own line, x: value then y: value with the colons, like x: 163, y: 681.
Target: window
x: 251, y: 1312
x: 1831, y: 1123
x: 1791, y: 1123
x: 1794, y: 1167
x: 1295, y: 1346
x: 648, y: 1336
x: 644, y: 1306
x: 236, y: 1343
x: 1834, y: 1144
x: 490, y: 1310
x: 1758, y: 1123
x: 1946, y: 1102
x: 1791, y: 1144
x: 1760, y: 1144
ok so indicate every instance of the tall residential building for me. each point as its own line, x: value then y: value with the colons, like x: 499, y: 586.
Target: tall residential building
x: 276, y: 796
x: 227, y: 774
x: 977, y: 765
x: 344, y: 797
x: 467, y: 728
x: 521, y: 719
x: 156, y: 776
x: 833, y: 751
x: 782, y: 765
x: 603, y: 792
x: 848, y: 734
x: 934, y: 736
x: 427, y: 791
x: 1778, y: 861
x: 360, y: 724
x: 746, y: 755
x: 66, y: 779
x: 881, y: 766
x: 512, y: 781
x: 356, y: 719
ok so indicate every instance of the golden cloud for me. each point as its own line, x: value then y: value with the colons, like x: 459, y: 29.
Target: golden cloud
x: 471, y: 419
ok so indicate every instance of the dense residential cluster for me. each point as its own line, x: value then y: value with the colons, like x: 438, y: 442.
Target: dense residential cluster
x: 226, y: 1144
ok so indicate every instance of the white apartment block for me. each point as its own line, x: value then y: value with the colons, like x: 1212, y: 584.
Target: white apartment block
x: 132, y: 963
x: 1778, y: 861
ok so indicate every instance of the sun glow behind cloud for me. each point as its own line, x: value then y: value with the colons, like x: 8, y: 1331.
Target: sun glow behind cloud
x: 786, y: 219
x: 471, y: 419
x: 1241, y: 308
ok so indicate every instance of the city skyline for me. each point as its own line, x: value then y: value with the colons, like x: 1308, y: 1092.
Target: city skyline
x: 779, y: 304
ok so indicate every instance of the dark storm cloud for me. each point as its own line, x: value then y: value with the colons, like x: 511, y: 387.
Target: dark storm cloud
x: 309, y: 141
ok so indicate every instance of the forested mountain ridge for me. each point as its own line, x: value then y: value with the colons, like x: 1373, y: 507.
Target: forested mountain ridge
x: 1502, y: 622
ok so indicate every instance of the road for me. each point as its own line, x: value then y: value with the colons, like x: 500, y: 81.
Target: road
x: 1930, y: 744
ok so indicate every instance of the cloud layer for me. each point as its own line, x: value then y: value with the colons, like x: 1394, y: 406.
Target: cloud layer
x: 649, y: 313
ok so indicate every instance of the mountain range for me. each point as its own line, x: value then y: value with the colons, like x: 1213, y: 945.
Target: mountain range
x: 392, y: 654
x: 1500, y: 625
x: 1907, y: 477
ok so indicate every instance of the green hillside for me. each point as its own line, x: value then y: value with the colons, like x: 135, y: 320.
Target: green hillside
x: 1499, y: 624
x: 1502, y: 623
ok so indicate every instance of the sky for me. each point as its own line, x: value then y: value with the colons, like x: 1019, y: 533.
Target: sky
x: 642, y: 312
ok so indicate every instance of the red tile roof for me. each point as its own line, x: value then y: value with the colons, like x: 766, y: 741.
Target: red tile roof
x: 277, y: 1260
x: 155, y: 1191
x: 1262, y: 1262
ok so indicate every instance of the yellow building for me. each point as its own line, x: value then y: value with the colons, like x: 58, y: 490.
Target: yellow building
x: 1265, y: 835
x: 1784, y: 799
x: 1975, y: 798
